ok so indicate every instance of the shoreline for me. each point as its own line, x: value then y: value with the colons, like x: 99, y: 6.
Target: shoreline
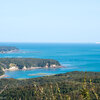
x: 3, y: 76
x: 25, y: 69
x: 6, y: 52
x: 30, y: 68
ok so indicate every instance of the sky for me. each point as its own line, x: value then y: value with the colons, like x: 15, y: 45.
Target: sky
x: 60, y: 21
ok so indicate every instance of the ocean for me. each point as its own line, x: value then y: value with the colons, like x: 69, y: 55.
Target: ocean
x: 75, y: 57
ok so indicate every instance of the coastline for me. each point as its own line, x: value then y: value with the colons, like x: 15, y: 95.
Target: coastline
x: 3, y: 76
x: 31, y: 68
x: 24, y: 69
x: 11, y: 51
x: 14, y: 68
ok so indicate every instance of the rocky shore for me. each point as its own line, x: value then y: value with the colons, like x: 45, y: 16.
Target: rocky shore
x: 14, y: 68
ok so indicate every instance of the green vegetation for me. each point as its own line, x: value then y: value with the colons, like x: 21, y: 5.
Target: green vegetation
x: 27, y: 62
x: 1, y: 71
x: 68, y: 86
x: 6, y: 49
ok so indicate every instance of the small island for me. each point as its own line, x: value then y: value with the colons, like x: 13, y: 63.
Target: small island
x: 12, y: 64
x: 8, y: 49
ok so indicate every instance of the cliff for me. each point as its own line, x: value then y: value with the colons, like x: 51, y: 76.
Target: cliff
x: 26, y: 64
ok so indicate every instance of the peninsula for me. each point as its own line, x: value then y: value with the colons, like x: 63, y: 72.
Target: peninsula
x: 8, y: 49
x: 12, y: 64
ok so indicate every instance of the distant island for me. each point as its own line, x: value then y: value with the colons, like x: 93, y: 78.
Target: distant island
x: 12, y: 64
x: 8, y: 49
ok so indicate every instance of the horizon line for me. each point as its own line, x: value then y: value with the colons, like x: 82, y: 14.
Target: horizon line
x: 55, y: 42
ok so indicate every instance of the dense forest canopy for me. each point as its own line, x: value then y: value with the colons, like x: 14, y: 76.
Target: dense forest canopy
x: 27, y: 62
x: 68, y: 86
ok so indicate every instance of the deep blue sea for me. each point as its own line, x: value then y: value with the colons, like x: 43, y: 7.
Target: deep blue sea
x: 75, y: 57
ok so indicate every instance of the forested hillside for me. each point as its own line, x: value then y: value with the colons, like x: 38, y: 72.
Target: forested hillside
x: 27, y: 62
x: 68, y: 86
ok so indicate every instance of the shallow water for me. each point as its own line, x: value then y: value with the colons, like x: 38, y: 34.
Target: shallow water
x: 75, y: 57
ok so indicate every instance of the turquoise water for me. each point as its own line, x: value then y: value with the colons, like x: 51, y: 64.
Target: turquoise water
x: 75, y: 57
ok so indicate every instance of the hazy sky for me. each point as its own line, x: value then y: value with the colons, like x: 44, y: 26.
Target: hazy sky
x: 49, y: 20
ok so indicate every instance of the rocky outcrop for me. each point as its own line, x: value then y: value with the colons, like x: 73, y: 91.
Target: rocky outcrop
x: 54, y: 66
x: 12, y: 67
x: 12, y: 64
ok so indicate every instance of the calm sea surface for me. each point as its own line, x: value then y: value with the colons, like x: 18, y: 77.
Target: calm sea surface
x: 75, y: 57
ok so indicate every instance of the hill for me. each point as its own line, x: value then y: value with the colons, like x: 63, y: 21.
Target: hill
x: 68, y: 86
x: 26, y: 63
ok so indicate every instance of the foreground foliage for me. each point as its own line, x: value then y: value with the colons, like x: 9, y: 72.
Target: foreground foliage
x: 69, y: 86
